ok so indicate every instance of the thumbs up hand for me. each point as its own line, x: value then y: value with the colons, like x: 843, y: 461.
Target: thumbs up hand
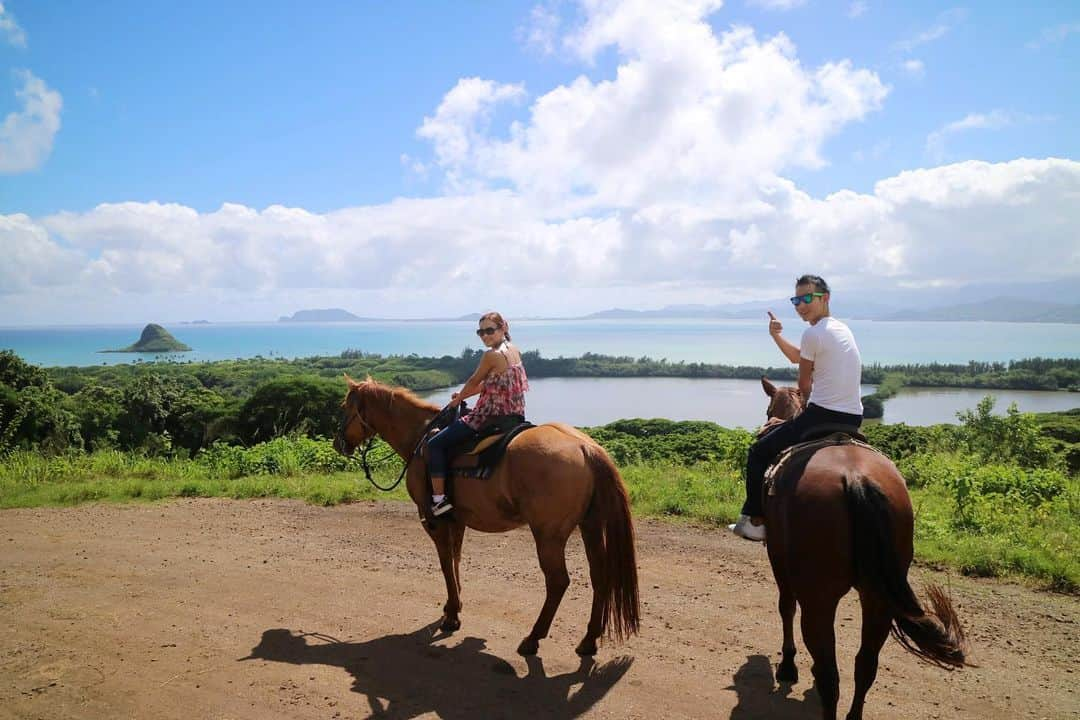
x: 775, y: 327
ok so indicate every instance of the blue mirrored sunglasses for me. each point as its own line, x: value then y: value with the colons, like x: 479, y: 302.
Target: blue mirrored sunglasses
x: 807, y: 298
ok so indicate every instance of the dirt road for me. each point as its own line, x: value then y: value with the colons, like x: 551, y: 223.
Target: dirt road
x: 151, y: 611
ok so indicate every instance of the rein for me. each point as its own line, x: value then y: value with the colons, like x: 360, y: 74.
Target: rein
x: 440, y: 416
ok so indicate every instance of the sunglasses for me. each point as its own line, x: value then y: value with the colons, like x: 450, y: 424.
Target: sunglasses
x: 807, y: 298
x: 481, y: 332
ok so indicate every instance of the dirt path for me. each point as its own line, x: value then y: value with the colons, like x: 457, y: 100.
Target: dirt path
x: 147, y: 611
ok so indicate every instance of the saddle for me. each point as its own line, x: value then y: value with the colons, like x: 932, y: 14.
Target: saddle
x: 479, y: 459
x: 480, y: 455
x: 782, y: 475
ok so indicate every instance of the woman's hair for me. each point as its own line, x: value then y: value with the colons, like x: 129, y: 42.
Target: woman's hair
x: 499, y: 322
x: 815, y: 280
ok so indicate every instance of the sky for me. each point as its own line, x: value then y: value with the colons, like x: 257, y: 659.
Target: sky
x: 162, y: 162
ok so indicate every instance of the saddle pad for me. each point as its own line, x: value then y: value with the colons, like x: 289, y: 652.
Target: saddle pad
x: 796, y: 457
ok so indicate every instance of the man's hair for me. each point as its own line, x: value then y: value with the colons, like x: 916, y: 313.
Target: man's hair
x: 816, y: 280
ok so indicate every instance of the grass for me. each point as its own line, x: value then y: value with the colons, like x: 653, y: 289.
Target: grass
x: 1039, y: 542
x: 31, y: 480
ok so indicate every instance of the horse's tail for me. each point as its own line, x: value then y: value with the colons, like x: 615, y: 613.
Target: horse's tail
x: 613, y: 528
x: 936, y: 636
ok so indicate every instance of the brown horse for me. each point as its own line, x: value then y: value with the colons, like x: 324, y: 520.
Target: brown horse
x: 553, y: 478
x: 847, y: 523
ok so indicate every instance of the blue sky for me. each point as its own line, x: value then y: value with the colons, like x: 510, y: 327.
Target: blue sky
x: 319, y: 108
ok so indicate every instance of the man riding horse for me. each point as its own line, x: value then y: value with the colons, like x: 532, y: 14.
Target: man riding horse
x: 830, y: 376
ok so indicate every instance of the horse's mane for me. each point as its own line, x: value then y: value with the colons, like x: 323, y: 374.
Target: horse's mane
x: 389, y: 395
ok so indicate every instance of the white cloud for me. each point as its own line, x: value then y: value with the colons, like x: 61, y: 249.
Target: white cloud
x: 856, y: 9
x: 541, y: 32
x: 914, y: 68
x: 26, y: 137
x: 1054, y: 35
x: 32, y: 259
x: 945, y: 22
x: 662, y: 183
x: 971, y: 221
x: 994, y: 120
x: 10, y: 29
x: 689, y: 116
x: 777, y: 4
x: 461, y: 119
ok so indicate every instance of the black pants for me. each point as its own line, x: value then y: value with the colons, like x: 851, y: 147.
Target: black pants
x: 779, y: 438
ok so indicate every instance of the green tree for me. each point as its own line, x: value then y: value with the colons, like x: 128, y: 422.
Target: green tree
x: 307, y: 405
x: 1012, y: 438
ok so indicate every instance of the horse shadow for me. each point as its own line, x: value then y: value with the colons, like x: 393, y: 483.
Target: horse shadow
x: 404, y: 676
x: 759, y: 696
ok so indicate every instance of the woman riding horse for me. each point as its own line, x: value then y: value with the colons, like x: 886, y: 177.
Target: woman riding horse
x: 553, y: 478
x: 500, y: 379
x: 830, y: 375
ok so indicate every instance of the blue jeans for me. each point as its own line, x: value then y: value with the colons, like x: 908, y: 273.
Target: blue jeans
x: 439, y: 447
x: 778, y: 439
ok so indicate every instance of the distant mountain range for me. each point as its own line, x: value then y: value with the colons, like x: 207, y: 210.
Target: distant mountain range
x: 323, y: 315
x: 1017, y: 302
x: 1002, y: 309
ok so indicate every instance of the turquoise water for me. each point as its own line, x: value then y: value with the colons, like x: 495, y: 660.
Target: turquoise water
x: 732, y: 342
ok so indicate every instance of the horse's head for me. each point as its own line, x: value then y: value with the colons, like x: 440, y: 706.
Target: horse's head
x: 355, y: 428
x: 784, y: 402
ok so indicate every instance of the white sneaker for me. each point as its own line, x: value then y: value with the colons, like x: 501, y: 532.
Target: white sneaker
x: 745, y: 529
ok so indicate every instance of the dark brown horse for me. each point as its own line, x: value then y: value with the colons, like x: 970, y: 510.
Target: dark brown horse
x: 847, y: 523
x: 553, y: 479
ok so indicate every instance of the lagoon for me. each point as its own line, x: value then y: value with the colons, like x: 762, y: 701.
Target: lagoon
x: 738, y: 403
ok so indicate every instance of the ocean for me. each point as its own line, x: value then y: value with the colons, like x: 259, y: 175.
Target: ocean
x: 730, y: 342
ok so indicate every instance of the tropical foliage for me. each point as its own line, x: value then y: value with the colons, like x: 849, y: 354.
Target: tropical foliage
x: 175, y: 407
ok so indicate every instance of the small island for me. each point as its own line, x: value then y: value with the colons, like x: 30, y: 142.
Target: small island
x: 154, y: 339
x: 322, y: 315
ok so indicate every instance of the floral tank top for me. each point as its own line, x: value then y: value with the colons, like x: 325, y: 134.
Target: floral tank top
x: 500, y: 394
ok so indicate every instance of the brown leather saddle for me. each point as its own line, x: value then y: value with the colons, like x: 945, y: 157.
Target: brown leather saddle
x: 784, y: 473
x: 480, y: 455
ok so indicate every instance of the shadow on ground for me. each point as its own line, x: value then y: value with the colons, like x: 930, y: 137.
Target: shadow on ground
x: 760, y: 698
x: 404, y: 676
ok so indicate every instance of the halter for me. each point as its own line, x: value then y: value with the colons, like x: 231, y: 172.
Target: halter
x: 442, y: 415
x: 799, y: 407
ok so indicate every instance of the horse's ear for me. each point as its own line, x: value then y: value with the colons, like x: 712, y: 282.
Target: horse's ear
x: 770, y: 389
x: 369, y: 379
x: 351, y: 383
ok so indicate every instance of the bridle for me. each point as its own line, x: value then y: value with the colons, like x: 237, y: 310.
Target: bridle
x: 792, y: 395
x: 442, y: 418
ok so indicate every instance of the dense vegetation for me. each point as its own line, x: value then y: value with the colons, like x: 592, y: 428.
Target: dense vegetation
x: 995, y: 495
x: 168, y: 407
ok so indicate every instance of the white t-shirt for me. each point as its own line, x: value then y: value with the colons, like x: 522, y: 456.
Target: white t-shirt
x: 837, y: 366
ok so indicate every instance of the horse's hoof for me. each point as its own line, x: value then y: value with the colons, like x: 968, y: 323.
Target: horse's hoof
x: 586, y: 648
x: 528, y: 647
x: 787, y: 673
x: 449, y: 625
